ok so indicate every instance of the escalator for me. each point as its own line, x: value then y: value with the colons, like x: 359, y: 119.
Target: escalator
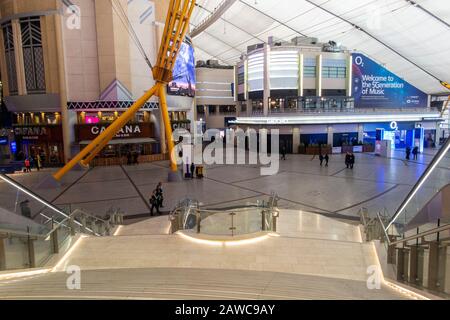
x: 426, y: 203
x: 32, y: 229
x: 418, y: 234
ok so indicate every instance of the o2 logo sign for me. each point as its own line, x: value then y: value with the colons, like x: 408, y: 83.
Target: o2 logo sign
x: 393, y: 125
x: 359, y: 61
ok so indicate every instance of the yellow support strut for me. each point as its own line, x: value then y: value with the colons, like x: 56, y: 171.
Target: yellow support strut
x: 176, y: 27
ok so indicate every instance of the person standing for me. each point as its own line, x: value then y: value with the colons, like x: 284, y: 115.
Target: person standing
x: 159, y: 194
x: 192, y: 170
x: 415, y: 152
x: 283, y: 153
x: 129, y: 158
x: 347, y: 159
x: 38, y: 162
x: 408, y: 152
x: 327, y: 158
x: 321, y: 159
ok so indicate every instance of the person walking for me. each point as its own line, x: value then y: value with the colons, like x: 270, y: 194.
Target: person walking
x: 154, y: 202
x: 408, y: 153
x: 321, y: 159
x: 327, y: 158
x: 27, y: 165
x: 159, y: 194
x: 415, y: 152
x: 352, y: 160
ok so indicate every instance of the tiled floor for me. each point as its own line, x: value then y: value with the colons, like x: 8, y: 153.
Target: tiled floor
x: 375, y: 183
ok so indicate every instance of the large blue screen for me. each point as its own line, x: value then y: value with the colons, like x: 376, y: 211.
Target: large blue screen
x: 183, y: 83
x: 376, y: 87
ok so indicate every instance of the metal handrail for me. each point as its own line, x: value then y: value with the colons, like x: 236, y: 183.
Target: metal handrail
x: 422, y: 234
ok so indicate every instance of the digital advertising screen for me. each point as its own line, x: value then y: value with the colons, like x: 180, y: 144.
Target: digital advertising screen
x: 183, y: 83
x: 376, y: 87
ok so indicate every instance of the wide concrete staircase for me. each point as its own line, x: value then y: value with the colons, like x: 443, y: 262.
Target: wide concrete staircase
x: 313, y: 257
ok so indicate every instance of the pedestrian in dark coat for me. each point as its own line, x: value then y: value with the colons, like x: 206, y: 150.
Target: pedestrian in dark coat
x: 154, y: 202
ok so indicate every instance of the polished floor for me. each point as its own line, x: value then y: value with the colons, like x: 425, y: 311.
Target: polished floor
x: 375, y: 183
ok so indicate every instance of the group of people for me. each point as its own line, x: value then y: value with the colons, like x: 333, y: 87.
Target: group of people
x: 132, y: 158
x: 415, y: 152
x: 350, y: 160
x: 156, y: 200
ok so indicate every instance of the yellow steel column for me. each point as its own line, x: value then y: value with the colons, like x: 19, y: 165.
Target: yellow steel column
x: 165, y: 114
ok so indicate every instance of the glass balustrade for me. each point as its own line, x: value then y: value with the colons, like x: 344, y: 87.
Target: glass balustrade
x: 32, y: 229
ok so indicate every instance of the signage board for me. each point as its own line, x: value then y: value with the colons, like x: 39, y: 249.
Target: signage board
x: 376, y: 87
x: 129, y: 131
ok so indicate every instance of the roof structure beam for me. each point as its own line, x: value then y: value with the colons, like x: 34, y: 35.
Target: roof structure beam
x: 213, y: 17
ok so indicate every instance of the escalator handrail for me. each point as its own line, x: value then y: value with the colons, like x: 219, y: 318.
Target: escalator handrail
x: 31, y: 194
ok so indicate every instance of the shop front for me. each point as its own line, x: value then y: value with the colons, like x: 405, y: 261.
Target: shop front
x: 401, y: 134
x: 6, y: 138
x: 135, y: 142
x: 43, y: 140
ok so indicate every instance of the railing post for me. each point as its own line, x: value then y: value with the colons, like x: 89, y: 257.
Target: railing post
x: 2, y: 253
x: 263, y: 220
x: 274, y: 223
x: 413, y: 264
x: 433, y: 266
x: 54, y: 239
x: 391, y: 258
x: 400, y: 264
x: 198, y: 221
x: 72, y: 226
x: 31, y: 255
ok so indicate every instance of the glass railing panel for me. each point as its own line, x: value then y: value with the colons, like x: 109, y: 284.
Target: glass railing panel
x: 63, y: 234
x: 43, y: 249
x: 16, y: 253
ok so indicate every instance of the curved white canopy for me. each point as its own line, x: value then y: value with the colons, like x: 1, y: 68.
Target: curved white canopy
x: 410, y: 38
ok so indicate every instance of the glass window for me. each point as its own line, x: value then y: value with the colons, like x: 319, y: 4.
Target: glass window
x: 8, y: 42
x: 33, y: 55
x: 334, y: 72
x: 309, y: 72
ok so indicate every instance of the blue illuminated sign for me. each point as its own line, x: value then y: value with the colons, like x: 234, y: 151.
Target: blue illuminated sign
x: 3, y: 141
x: 13, y: 147
x: 376, y: 87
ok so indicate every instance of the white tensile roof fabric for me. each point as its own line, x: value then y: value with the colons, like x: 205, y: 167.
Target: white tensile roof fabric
x: 416, y: 35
